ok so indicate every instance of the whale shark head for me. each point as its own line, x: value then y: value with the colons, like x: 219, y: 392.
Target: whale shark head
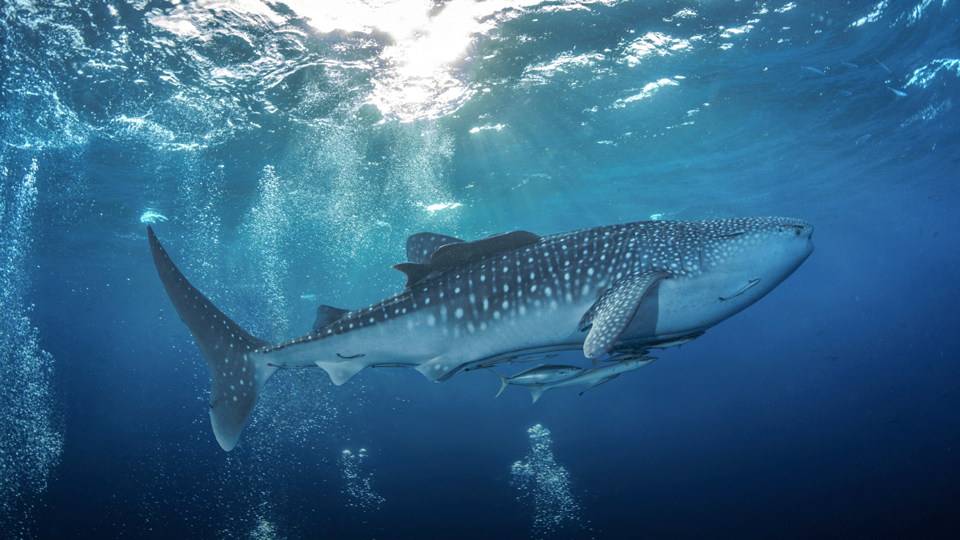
x: 767, y: 249
x: 720, y: 268
x: 743, y: 259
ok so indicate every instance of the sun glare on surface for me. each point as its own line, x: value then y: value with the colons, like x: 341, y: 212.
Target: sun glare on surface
x: 423, y: 45
x: 426, y: 44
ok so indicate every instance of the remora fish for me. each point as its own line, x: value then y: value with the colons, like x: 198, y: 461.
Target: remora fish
x: 593, y: 377
x: 538, y: 376
x: 603, y: 289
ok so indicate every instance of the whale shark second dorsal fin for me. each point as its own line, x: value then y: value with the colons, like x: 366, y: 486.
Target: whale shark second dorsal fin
x: 328, y: 314
x: 415, y: 272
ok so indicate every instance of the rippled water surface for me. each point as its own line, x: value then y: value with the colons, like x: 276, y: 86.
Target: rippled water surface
x: 284, y: 151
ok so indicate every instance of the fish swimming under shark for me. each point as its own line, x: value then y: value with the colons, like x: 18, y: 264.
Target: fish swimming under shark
x: 538, y: 376
x: 471, y: 305
x: 591, y: 378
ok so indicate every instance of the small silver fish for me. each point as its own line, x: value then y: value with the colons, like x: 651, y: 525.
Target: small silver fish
x: 625, y: 357
x: 815, y: 70
x: 899, y: 93
x: 593, y: 377
x: 534, y: 358
x: 675, y: 342
x: 537, y: 376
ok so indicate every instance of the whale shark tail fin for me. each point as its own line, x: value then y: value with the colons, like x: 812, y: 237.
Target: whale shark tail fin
x: 238, y: 373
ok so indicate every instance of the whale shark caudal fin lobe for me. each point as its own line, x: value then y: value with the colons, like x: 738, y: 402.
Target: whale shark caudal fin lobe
x: 238, y: 373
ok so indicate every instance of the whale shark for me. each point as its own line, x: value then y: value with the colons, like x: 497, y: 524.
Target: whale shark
x: 469, y: 305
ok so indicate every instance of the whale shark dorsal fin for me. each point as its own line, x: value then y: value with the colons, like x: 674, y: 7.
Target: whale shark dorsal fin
x: 455, y: 252
x: 328, y: 314
x: 420, y: 246
x: 612, y: 313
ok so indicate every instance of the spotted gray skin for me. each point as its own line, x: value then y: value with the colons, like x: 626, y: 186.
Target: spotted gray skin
x: 604, y: 289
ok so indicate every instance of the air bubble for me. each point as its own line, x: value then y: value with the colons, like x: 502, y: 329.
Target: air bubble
x: 545, y: 485
x: 358, y: 487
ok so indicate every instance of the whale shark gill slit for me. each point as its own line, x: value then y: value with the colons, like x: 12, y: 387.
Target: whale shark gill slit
x: 745, y: 288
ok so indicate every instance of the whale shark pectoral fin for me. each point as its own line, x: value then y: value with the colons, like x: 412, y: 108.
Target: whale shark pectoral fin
x: 612, y: 313
x: 341, y: 371
x: 238, y: 373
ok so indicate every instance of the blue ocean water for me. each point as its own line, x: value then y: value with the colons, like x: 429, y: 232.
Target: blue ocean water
x: 284, y: 151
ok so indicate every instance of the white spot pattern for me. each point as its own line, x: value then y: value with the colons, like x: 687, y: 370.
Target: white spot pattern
x: 590, y: 263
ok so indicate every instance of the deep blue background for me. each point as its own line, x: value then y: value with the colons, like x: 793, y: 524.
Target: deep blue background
x: 831, y: 408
